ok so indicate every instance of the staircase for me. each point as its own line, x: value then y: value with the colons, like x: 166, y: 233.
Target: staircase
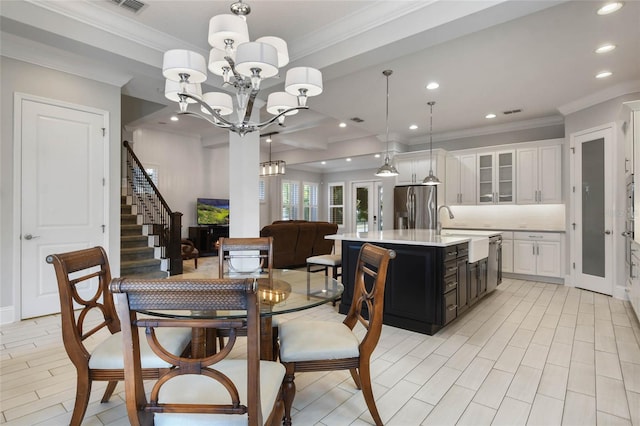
x: 137, y: 258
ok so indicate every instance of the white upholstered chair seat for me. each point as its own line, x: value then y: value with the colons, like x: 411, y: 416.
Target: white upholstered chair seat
x: 316, y: 340
x: 198, y: 389
x: 108, y: 354
x: 326, y: 260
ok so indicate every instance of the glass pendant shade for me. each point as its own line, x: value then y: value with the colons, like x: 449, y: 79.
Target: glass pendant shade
x: 254, y: 55
x: 227, y: 27
x: 180, y: 61
x: 173, y: 88
x: 281, y: 101
x: 281, y: 48
x: 303, y: 78
x: 220, y: 101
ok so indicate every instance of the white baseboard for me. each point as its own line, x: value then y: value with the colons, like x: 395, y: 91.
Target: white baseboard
x: 7, y: 315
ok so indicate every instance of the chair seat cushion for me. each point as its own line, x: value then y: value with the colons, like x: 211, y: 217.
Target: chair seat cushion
x: 198, y: 389
x: 108, y: 354
x: 316, y: 340
x: 326, y: 259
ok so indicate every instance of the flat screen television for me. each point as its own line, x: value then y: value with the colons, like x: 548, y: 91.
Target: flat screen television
x: 212, y: 211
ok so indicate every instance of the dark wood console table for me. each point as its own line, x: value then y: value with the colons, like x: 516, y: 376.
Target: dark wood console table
x: 205, y: 238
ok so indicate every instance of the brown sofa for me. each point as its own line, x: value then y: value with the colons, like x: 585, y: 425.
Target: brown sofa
x: 295, y: 240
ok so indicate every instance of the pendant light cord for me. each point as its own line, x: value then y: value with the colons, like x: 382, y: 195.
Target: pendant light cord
x: 431, y: 103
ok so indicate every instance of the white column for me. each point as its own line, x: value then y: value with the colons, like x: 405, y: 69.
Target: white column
x: 244, y: 206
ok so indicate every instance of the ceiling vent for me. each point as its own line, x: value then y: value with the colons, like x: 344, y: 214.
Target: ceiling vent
x: 513, y: 111
x: 131, y: 5
x: 356, y: 119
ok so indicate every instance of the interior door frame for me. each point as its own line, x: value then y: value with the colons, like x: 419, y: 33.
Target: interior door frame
x: 18, y: 99
x: 607, y: 132
x: 374, y: 186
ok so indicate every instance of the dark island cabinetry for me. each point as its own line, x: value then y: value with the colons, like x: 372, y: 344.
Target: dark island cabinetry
x: 422, y: 284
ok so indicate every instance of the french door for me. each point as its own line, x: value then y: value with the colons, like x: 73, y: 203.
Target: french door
x: 367, y: 206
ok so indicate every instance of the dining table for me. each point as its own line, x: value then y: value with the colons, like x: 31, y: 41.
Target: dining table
x: 289, y: 290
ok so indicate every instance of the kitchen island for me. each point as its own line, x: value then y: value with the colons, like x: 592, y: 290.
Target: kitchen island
x: 433, y: 279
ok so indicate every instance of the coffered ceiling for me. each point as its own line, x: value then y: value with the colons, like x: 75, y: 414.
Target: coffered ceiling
x: 488, y: 57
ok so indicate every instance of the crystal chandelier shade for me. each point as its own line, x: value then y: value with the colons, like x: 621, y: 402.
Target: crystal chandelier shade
x: 242, y: 64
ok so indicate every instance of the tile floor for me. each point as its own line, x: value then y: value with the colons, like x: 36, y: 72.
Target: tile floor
x: 529, y: 353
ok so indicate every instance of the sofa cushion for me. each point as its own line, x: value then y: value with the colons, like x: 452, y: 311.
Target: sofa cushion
x: 295, y: 240
x: 321, y: 245
x: 285, y: 239
x: 306, y: 238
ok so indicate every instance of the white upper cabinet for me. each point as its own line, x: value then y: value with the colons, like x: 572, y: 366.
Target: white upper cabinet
x: 412, y: 167
x: 496, y: 183
x: 539, y: 176
x: 460, y: 179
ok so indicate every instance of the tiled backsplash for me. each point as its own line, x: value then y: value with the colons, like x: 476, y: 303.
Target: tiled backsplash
x: 543, y: 217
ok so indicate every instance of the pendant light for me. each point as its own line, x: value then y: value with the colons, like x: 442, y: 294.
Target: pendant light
x: 387, y: 169
x: 431, y: 179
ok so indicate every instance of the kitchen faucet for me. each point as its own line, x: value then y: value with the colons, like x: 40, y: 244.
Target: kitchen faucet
x: 438, y: 223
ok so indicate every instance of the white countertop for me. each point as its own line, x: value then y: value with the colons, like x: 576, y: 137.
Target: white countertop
x: 420, y: 237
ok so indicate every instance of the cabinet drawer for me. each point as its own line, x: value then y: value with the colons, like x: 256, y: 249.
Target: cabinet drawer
x: 463, y: 250
x: 450, y: 268
x: 537, y: 236
x: 450, y: 283
x: 450, y: 306
x: 450, y: 253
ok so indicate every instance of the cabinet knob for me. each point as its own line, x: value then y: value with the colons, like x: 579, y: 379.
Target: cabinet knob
x: 607, y: 232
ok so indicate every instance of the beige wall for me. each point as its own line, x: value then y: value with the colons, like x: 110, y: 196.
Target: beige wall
x: 34, y: 80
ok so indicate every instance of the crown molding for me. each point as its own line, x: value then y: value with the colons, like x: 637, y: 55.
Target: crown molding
x: 493, y: 129
x: 599, y: 97
x: 24, y: 50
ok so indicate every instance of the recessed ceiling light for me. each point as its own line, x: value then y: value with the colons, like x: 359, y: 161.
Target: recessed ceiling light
x: 343, y: 124
x: 604, y: 74
x: 491, y: 115
x: 605, y: 48
x: 377, y: 156
x: 413, y: 127
x: 433, y: 85
x: 348, y: 159
x: 174, y: 118
x: 323, y: 162
x: 610, y: 7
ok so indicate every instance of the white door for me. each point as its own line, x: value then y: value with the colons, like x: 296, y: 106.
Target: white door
x: 592, y: 222
x: 63, y: 195
x: 367, y: 206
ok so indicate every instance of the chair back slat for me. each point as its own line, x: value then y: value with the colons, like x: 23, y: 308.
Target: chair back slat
x: 368, y: 294
x: 260, y: 248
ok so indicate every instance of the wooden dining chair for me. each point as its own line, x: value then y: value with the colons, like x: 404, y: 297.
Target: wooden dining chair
x: 83, y: 269
x: 323, y: 345
x: 207, y: 390
x: 232, y: 253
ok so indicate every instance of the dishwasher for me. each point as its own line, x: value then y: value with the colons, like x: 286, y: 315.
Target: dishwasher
x: 494, y: 267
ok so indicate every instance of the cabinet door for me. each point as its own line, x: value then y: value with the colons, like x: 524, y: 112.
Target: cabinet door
x: 634, y: 285
x: 463, y: 288
x: 524, y: 257
x: 505, y: 177
x: 452, y: 180
x: 507, y: 255
x: 550, y: 174
x: 467, y: 179
x: 548, y: 258
x: 486, y: 191
x: 527, y: 170
x: 405, y: 171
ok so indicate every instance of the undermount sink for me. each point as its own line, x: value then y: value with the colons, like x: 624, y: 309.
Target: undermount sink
x: 478, y: 245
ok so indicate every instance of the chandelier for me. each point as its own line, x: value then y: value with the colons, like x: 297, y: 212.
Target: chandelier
x: 242, y: 64
x: 272, y: 168
x: 387, y: 169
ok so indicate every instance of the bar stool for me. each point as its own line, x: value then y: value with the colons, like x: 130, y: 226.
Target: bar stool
x: 324, y: 262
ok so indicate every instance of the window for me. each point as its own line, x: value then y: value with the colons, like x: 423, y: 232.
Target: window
x: 336, y: 204
x: 310, y: 201
x: 290, y: 200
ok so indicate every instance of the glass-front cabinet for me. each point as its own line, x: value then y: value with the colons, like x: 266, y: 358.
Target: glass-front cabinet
x: 496, y: 177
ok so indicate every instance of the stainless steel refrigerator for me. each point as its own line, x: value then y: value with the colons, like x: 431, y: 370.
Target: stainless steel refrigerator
x: 415, y: 207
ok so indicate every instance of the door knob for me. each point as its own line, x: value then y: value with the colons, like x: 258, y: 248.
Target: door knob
x: 31, y: 237
x: 607, y: 232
